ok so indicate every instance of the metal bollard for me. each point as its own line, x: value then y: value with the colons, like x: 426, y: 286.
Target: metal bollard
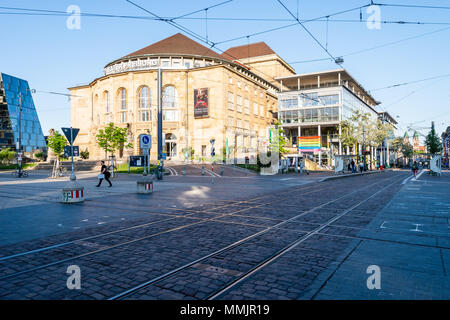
x: 203, y: 170
x: 183, y: 171
x: 221, y: 171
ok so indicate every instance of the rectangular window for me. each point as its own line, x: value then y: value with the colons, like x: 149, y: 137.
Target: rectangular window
x: 145, y: 116
x: 261, y: 110
x: 123, y: 117
x: 288, y: 103
x: 187, y: 65
x: 165, y: 63
x: 230, y: 121
x: 246, y: 106
x: 329, y: 99
x: 309, y: 99
x: 239, y: 103
x: 231, y: 80
x: 255, y: 108
x: 239, y: 84
x: 230, y: 101
x: 238, y: 123
x: 169, y: 115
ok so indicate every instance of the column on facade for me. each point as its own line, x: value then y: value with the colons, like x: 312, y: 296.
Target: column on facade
x: 340, y: 143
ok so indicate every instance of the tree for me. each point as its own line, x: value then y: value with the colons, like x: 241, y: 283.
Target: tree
x: 112, y: 138
x: 433, y: 142
x: 7, y: 155
x: 57, y: 142
x: 399, y: 145
x: 347, y: 136
x: 277, y: 140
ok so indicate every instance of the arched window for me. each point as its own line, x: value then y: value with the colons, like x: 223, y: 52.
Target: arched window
x: 144, y: 98
x: 123, y: 98
x: 106, y: 99
x: 144, y: 102
x: 170, y: 104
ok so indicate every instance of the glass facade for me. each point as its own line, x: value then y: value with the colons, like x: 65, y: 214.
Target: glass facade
x: 13, y: 93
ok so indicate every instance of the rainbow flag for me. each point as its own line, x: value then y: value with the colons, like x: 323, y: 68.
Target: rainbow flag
x: 309, y: 144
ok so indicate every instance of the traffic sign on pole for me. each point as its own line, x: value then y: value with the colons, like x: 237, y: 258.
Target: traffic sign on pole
x: 70, y: 133
x: 145, y: 141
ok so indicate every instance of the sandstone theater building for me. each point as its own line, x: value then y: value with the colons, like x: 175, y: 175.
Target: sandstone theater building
x: 235, y: 92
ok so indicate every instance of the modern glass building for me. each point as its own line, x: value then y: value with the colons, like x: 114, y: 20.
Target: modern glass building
x: 311, y: 106
x: 15, y: 94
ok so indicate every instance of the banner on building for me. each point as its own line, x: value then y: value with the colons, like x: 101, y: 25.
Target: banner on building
x: 201, y: 106
x: 309, y: 144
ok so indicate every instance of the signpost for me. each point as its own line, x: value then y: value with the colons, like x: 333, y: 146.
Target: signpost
x: 145, y: 184
x: 145, y: 143
x: 72, y: 192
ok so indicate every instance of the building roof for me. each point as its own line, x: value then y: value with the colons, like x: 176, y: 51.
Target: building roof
x: 176, y: 44
x: 247, y: 51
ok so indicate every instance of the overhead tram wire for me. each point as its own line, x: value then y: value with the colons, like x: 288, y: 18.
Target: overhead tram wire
x: 411, y: 82
x: 200, y: 10
x: 411, y: 6
x: 310, y: 34
x: 376, y: 47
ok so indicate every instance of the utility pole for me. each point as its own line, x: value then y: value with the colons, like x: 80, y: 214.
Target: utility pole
x: 19, y: 147
x: 160, y: 122
x: 364, y: 148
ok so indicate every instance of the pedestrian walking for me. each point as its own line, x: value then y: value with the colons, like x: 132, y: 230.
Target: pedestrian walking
x: 361, y: 167
x: 349, y: 166
x: 104, y: 174
x: 353, y: 166
x: 415, y: 168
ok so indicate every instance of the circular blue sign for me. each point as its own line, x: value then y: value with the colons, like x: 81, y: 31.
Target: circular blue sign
x: 145, y: 139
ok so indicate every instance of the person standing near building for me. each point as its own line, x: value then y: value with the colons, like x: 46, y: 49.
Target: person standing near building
x: 104, y: 174
x: 353, y: 166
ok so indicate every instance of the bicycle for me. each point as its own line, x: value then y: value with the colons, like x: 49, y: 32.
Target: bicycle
x: 15, y: 173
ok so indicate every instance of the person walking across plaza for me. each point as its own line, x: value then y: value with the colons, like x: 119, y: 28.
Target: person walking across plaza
x: 104, y: 174
x: 415, y: 168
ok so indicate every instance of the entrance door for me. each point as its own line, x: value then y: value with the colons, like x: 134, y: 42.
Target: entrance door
x: 171, y: 145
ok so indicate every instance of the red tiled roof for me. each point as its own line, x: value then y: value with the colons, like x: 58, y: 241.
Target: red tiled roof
x: 177, y: 44
x: 247, y: 51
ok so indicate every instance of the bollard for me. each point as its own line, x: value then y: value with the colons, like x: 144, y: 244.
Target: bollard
x: 183, y: 171
x: 221, y: 171
x: 145, y: 184
x: 73, y: 192
x: 203, y: 170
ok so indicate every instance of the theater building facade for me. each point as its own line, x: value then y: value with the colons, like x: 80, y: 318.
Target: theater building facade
x: 205, y: 96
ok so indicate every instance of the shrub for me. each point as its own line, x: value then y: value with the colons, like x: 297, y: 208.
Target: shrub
x: 84, y: 154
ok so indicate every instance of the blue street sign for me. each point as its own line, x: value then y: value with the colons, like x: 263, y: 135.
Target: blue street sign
x: 145, y: 141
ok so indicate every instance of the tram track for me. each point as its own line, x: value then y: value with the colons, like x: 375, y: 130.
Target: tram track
x: 285, y: 196
x: 173, y: 216
x: 173, y: 272
x: 75, y: 242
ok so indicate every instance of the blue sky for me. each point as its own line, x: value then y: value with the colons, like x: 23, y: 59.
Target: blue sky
x: 51, y: 57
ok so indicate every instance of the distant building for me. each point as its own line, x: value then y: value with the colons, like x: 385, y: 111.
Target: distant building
x: 230, y: 97
x: 15, y: 94
x: 311, y: 107
x: 416, y: 144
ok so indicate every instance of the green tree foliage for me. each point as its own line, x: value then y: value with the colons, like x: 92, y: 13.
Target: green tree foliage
x: 7, y: 155
x: 84, y: 154
x: 347, y: 135
x: 57, y: 142
x: 112, y: 138
x: 399, y: 145
x: 433, y: 142
x: 278, y: 140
